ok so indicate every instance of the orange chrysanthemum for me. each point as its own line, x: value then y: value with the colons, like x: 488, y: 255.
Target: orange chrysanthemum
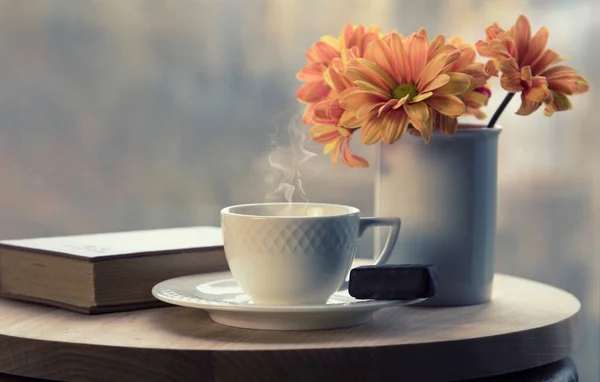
x: 480, y: 93
x: 527, y: 67
x: 382, y: 85
x: 325, y: 53
x: 402, y: 81
x: 327, y: 129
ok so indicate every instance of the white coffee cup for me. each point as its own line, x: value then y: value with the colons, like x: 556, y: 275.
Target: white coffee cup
x: 296, y: 253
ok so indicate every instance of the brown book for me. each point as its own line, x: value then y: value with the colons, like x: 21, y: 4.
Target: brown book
x: 106, y: 272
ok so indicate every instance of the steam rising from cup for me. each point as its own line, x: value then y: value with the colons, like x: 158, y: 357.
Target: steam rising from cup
x: 288, y: 160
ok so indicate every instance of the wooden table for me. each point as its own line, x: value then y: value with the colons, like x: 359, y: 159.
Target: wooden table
x: 527, y: 324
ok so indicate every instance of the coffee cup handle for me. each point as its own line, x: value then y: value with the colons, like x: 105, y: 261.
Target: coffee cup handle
x: 384, y: 256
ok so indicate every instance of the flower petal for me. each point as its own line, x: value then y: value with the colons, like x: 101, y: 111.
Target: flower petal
x: 350, y: 119
x: 491, y: 68
x: 334, y: 148
x: 435, y: 45
x: 477, y: 71
x: 437, y: 82
x: 382, y: 73
x: 372, y: 33
x: 453, y: 55
x: 449, y: 104
x: 569, y: 86
x: 417, y: 56
x: 381, y: 54
x: 467, y: 56
x: 538, y: 91
x: 526, y: 75
x: 476, y: 113
x: 536, y: 46
x: 446, y: 124
x: 522, y: 35
x: 335, y: 109
x: 422, y: 96
x: 459, y: 83
x: 565, y: 79
x: 311, y: 72
x: 425, y: 128
x: 400, y: 102
x: 431, y: 70
x: 324, y: 133
x: 354, y: 99
x: 322, y: 113
x: 400, y: 58
x: 345, y: 132
x: 503, y: 48
x: 527, y: 106
x: 325, y: 52
x: 350, y: 159
x: 477, y: 98
x: 313, y: 91
x: 511, y: 77
x: 307, y: 116
x: 330, y: 40
x: 559, y: 71
x: 347, y: 35
x: 370, y: 87
x: 346, y: 55
x: 363, y: 70
x: 492, y: 31
x: 394, y: 124
x: 484, y: 50
x: 402, y: 126
x: 367, y: 109
x: 559, y: 102
x: 334, y: 79
x: 387, y: 106
x: 417, y: 112
x: 546, y: 59
x: 370, y: 133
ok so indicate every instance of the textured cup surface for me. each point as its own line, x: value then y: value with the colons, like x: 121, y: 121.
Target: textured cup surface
x: 290, y: 254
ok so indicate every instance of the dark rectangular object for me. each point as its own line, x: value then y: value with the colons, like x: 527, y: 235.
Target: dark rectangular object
x: 392, y: 282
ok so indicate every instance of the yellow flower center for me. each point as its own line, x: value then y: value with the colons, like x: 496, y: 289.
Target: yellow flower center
x: 403, y: 90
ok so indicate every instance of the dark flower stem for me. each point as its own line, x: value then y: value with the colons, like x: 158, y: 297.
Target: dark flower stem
x: 498, y: 112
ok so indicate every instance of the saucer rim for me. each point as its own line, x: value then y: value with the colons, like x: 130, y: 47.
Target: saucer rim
x: 360, y: 305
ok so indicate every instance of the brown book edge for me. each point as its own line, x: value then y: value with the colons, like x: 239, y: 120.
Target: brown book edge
x: 90, y: 310
x: 109, y: 257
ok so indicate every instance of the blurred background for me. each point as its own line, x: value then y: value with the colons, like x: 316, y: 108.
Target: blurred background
x: 121, y: 115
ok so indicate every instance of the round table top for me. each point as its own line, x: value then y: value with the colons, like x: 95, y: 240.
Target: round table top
x: 526, y: 324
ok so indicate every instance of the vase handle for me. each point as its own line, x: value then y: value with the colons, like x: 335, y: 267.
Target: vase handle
x: 384, y: 256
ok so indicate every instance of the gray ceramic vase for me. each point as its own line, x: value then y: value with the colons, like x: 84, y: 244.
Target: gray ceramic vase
x: 445, y: 194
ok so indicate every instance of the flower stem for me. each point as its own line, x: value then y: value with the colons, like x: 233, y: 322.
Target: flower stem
x: 496, y: 115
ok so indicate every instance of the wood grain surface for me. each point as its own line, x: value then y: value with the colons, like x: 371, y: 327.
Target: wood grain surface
x: 526, y: 324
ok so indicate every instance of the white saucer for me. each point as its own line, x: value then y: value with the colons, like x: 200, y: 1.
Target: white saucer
x: 226, y: 304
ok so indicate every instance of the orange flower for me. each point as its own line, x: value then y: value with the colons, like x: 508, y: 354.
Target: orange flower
x: 337, y: 144
x: 526, y: 67
x: 326, y: 115
x: 385, y: 86
x: 562, y: 81
x: 400, y: 83
x: 326, y: 52
x: 481, y: 92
